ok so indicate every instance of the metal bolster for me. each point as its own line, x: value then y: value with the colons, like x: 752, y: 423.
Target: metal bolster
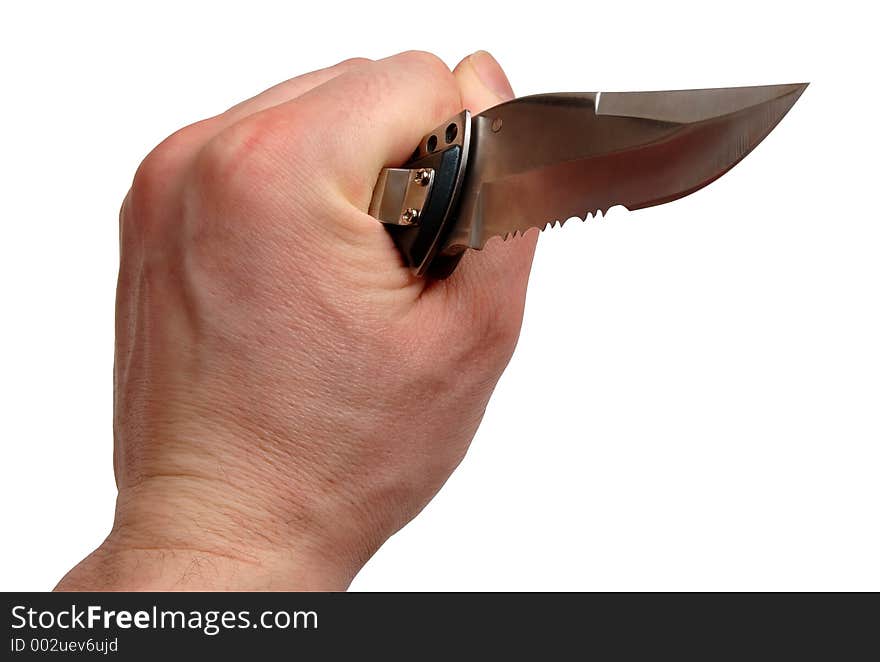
x: 400, y: 195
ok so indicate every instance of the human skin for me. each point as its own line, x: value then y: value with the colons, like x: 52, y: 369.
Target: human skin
x: 287, y: 395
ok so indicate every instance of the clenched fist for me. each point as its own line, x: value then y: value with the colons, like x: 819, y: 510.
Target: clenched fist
x: 287, y: 394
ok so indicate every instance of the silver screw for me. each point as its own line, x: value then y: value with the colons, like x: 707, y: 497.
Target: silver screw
x: 409, y: 216
x: 422, y: 177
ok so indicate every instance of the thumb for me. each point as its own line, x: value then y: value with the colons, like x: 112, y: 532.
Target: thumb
x: 502, y: 266
x: 483, y: 82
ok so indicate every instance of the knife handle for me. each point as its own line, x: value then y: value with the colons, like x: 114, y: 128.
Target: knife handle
x: 417, y: 202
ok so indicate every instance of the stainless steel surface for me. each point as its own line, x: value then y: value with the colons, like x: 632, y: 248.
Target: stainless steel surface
x: 454, y: 131
x: 550, y: 157
x: 400, y: 194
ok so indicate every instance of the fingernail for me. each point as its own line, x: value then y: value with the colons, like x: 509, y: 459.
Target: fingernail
x: 491, y: 74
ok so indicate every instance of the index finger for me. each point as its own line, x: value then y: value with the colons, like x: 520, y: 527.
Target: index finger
x: 353, y: 125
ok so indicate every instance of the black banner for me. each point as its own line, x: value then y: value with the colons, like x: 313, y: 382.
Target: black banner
x: 139, y: 626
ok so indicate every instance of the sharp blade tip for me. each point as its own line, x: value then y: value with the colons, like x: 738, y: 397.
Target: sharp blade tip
x: 797, y: 88
x: 793, y: 89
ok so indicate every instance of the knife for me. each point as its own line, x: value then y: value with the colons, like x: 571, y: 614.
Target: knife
x: 541, y: 159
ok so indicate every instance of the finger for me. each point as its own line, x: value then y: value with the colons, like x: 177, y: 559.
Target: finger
x: 501, y: 263
x: 182, y: 146
x: 352, y: 126
x: 289, y: 89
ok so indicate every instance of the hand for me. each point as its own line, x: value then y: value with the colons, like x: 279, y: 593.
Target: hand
x: 287, y: 394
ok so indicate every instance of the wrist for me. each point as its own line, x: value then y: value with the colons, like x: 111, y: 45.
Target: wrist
x: 117, y: 568
x: 173, y: 533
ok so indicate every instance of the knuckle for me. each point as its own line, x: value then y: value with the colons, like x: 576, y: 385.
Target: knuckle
x: 155, y: 179
x: 353, y: 62
x: 426, y: 60
x: 434, y: 73
x: 228, y: 164
x: 161, y: 164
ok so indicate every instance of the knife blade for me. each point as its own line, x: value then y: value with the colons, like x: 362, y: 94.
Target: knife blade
x: 538, y: 160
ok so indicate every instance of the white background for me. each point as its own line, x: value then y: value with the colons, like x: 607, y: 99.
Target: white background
x: 694, y: 401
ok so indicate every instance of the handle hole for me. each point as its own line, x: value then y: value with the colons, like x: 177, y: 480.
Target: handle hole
x: 451, y: 133
x: 432, y: 143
